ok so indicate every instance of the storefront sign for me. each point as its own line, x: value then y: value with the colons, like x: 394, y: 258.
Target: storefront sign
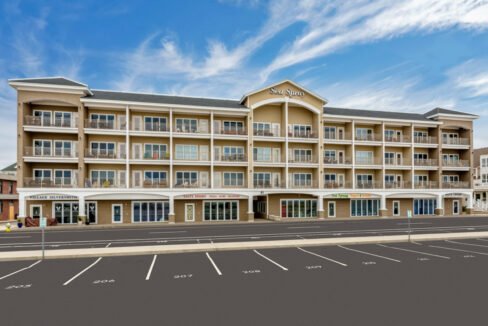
x: 210, y: 196
x: 346, y: 196
x: 52, y: 197
x: 289, y: 92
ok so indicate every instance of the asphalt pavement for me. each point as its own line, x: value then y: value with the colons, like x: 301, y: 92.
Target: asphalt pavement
x: 428, y: 283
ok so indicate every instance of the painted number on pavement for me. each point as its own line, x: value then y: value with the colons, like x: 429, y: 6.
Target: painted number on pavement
x: 252, y: 271
x: 369, y: 263
x: 183, y: 276
x: 21, y: 286
x: 99, y: 282
x: 313, y: 267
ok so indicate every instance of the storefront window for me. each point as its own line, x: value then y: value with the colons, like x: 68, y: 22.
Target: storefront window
x: 365, y: 207
x: 220, y: 210
x: 150, y: 211
x: 298, y: 208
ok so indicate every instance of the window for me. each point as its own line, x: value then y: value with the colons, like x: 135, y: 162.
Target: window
x: 103, y: 178
x: 233, y: 128
x: 150, y: 211
x: 450, y: 138
x: 67, y: 212
x: 262, y: 129
x: 298, y: 208
x: 42, y: 147
x: 396, y: 208
x: 330, y: 157
x: 154, y: 177
x: 302, y: 155
x: 186, y: 152
x: 155, y: 124
x: 484, y: 162
x: 364, y: 180
x: 450, y: 178
x: 424, y: 206
x: 302, y: 179
x: 63, y: 177
x: 63, y: 148
x: 330, y: 132
x: 42, y: 175
x: 389, y: 178
x: 389, y: 158
x: 233, y: 179
x: 10, y: 188
x: 102, y: 149
x: 302, y: 131
x: 262, y: 154
x: 393, y: 135
x: 364, y: 134
x: 106, y: 121
x: 43, y: 118
x: 186, y: 178
x: 363, y: 157
x: 450, y: 157
x: 262, y: 179
x: 62, y: 119
x: 421, y: 136
x: 155, y: 151
x: 484, y: 178
x: 421, y: 179
x: 420, y: 156
x: 233, y: 153
x: 365, y: 207
x: 220, y: 210
x: 186, y: 125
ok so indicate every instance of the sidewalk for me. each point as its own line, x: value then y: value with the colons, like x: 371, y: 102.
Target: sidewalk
x: 221, y: 246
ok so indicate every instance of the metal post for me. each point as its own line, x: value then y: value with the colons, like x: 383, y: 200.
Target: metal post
x: 43, y: 243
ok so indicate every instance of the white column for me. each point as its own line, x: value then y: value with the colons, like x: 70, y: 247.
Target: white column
x: 440, y: 201
x: 469, y: 202
x: 211, y: 149
x: 171, y: 205
x: 171, y: 150
x: 320, y: 206
x: 353, y: 154
x: 22, y: 205
x: 383, y: 203
x: 287, y: 183
x: 81, y: 206
x: 250, y: 208
x: 127, y: 147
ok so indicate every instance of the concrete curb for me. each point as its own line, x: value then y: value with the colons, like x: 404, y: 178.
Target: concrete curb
x: 226, y: 246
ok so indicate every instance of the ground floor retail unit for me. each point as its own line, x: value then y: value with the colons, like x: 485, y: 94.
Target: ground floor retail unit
x: 109, y: 208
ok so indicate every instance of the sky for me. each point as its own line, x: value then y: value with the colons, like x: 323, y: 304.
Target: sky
x: 393, y: 55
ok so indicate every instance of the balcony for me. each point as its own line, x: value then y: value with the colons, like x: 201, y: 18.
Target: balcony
x: 230, y: 158
x: 426, y: 185
x: 103, y: 125
x: 398, y: 185
x: 337, y: 161
x: 236, y: 131
x: 103, y: 184
x: 267, y: 133
x: 303, y: 184
x: 193, y: 184
x: 368, y: 161
x: 369, y: 137
x: 155, y: 183
x: 302, y: 159
x: 47, y: 122
x: 393, y: 162
x: 337, y: 185
x: 49, y: 183
x: 397, y: 139
x: 426, y: 162
x: 103, y: 154
x: 368, y: 185
x: 152, y: 156
x: 455, y: 185
x: 456, y: 163
x: 269, y: 185
x: 455, y: 141
x: 309, y: 134
x: 156, y: 127
x: 50, y: 152
x: 428, y: 140
x: 335, y: 136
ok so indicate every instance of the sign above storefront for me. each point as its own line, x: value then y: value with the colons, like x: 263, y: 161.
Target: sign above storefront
x: 289, y: 92
x: 51, y: 197
x: 347, y: 196
x: 210, y: 196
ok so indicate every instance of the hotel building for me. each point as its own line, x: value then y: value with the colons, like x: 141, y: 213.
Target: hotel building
x: 277, y: 153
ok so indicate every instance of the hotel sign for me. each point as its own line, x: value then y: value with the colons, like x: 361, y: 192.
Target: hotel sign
x: 346, y: 196
x: 52, y: 197
x: 289, y: 92
x: 210, y: 196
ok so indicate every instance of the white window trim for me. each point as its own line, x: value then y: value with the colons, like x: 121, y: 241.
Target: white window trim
x: 220, y: 200
x: 121, y: 214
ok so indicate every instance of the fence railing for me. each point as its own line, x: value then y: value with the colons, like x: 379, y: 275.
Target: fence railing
x: 455, y: 141
x: 30, y: 120
x: 50, y: 152
x: 49, y: 183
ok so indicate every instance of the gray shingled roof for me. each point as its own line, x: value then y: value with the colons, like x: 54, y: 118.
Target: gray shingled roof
x: 164, y: 99
x: 11, y: 168
x: 49, y: 81
x: 446, y: 111
x: 375, y: 114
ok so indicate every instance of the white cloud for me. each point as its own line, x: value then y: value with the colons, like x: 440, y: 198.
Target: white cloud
x: 471, y: 76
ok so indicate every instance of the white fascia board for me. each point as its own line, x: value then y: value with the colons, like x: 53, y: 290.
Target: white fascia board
x: 169, y: 106
x: 282, y: 82
x: 21, y: 86
x: 455, y: 116
x: 358, y: 119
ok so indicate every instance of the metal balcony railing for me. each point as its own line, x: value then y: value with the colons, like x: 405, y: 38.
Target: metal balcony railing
x: 397, y: 139
x: 158, y: 127
x: 301, y: 133
x: 194, y: 184
x: 426, y: 185
x: 425, y: 140
x: 49, y: 183
x: 190, y: 130
x: 337, y: 185
x: 149, y: 183
x: 268, y: 184
x: 302, y: 159
x: 369, y: 161
x: 396, y: 162
x: 89, y: 183
x: 103, y: 154
x: 50, y: 122
x: 302, y: 184
x: 455, y: 163
x: 231, y: 158
x: 370, y: 137
x: 152, y: 156
x: 337, y: 161
x: 455, y: 141
x: 455, y: 185
x: 237, y: 131
x: 368, y: 185
x: 426, y: 162
x: 99, y: 124
x: 50, y: 152
x: 398, y: 185
x: 335, y: 136
x: 267, y: 133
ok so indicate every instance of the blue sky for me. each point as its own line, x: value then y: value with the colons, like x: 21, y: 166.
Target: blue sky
x: 406, y: 55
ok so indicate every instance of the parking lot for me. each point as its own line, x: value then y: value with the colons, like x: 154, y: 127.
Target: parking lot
x: 252, y: 286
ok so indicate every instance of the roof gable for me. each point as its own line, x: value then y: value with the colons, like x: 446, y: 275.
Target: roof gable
x: 286, y: 88
x: 60, y: 81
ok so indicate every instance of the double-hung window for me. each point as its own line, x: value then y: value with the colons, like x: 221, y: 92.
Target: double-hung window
x: 154, y: 177
x: 233, y: 128
x: 364, y: 157
x: 450, y: 178
x: 42, y: 147
x: 63, y: 148
x: 186, y: 152
x: 103, y: 178
x: 102, y: 121
x: 43, y: 118
x: 186, y: 125
x: 155, y: 124
x: 233, y: 179
x: 302, y: 179
x: 302, y: 131
x: 262, y: 179
x: 186, y: 178
x: 484, y: 178
x: 102, y: 149
x: 262, y: 154
x: 390, y: 158
x: 420, y: 136
x: 155, y: 151
x: 364, y: 134
x: 41, y: 175
x: 302, y: 155
x: 364, y: 180
x: 62, y: 119
x: 233, y: 153
x: 421, y: 179
x: 330, y: 157
x: 262, y: 129
x: 63, y: 177
x: 330, y: 132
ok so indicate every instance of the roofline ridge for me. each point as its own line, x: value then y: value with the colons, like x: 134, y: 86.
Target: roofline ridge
x: 49, y: 77
x: 163, y: 94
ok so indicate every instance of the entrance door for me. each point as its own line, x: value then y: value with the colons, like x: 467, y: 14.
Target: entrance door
x: 455, y: 207
x: 36, y: 211
x: 189, y: 212
x: 331, y: 209
x: 396, y: 208
x: 117, y: 213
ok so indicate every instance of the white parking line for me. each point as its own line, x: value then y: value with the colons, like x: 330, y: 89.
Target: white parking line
x: 368, y: 253
x: 108, y: 245
x: 20, y: 270
x: 77, y: 275
x: 323, y: 257
x: 270, y: 260
x: 414, y: 251
x: 213, y: 263
x: 482, y: 239
x: 159, y: 232
x: 462, y: 250
x: 148, y: 276
x: 466, y: 244
x: 304, y: 227
x: 15, y: 237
